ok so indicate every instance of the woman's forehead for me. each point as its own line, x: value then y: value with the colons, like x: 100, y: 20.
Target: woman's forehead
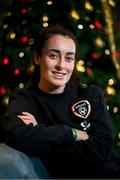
x: 59, y: 42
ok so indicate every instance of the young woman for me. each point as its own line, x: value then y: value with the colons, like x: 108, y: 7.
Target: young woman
x: 59, y: 122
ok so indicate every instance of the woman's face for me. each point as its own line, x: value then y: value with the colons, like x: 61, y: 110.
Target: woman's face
x: 56, y: 63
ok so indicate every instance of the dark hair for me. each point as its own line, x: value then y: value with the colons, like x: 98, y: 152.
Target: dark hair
x: 49, y: 32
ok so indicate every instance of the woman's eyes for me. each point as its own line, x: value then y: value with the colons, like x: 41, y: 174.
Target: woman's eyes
x: 53, y: 56
x: 67, y: 58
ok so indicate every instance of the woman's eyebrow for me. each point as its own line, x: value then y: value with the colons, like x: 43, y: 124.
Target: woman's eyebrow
x: 57, y: 51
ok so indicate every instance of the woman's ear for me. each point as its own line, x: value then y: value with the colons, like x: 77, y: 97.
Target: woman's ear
x: 36, y: 58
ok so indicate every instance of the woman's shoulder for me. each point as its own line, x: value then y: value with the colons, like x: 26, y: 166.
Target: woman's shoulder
x: 89, y: 89
x: 19, y: 93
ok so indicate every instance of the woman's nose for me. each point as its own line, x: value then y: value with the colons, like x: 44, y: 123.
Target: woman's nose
x: 61, y: 62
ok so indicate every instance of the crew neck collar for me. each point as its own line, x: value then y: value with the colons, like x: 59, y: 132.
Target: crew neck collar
x: 66, y: 91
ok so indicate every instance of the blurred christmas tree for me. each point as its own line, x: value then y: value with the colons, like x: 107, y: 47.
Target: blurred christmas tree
x: 98, y: 57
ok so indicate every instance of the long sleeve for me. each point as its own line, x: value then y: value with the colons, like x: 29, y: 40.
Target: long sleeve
x: 57, y: 138
x: 26, y: 137
x: 99, y: 146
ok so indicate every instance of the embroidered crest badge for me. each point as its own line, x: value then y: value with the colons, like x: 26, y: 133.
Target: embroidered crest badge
x: 82, y: 109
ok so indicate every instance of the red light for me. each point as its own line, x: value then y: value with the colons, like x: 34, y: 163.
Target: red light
x: 95, y: 55
x: 2, y: 90
x: 23, y: 11
x: 17, y: 71
x: 24, y: 39
x: 98, y: 25
x: 5, y: 61
x: 116, y: 54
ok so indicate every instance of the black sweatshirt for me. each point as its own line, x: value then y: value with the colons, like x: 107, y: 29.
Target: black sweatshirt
x: 83, y: 108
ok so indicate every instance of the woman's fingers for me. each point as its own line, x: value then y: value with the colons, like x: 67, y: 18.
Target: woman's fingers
x: 28, y: 118
x: 24, y: 117
x: 27, y: 113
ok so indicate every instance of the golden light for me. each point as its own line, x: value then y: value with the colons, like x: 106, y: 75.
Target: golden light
x: 5, y: 26
x: 80, y: 26
x: 75, y: 15
x: 110, y: 90
x: 21, y: 85
x: 45, y: 24
x: 107, y: 51
x: 45, y: 18
x: 119, y: 135
x: 21, y: 54
x: 110, y: 82
x: 31, y: 68
x: 49, y: 3
x: 99, y: 42
x: 88, y: 6
x: 5, y: 100
x: 80, y: 66
x: 91, y: 26
x: 12, y: 35
x: 112, y: 3
x: 115, y: 109
x: 87, y: 18
x: 9, y: 13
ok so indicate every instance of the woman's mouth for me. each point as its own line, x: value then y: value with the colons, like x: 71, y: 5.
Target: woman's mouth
x: 59, y: 74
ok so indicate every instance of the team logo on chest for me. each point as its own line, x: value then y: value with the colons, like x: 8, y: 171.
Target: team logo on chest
x: 82, y: 109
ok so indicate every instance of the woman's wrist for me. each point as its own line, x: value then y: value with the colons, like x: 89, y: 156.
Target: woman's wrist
x: 79, y: 135
x: 74, y: 132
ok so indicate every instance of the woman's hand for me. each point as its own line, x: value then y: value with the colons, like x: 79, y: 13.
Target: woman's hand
x: 28, y: 118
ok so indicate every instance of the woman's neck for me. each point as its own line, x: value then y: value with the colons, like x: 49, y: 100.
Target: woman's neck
x: 51, y: 90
